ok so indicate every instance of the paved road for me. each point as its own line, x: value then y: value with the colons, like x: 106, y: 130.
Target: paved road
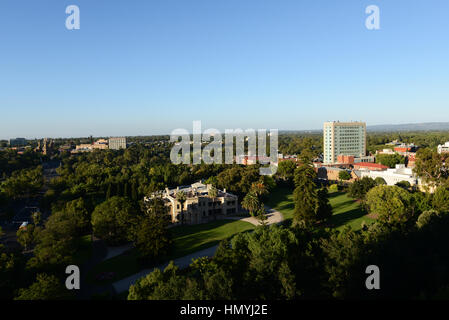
x: 183, y: 262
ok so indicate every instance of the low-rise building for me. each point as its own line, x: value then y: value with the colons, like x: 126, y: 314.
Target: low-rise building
x: 201, y: 205
x: 393, y: 176
x: 386, y: 151
x: 344, y: 159
x: 369, y: 166
x: 292, y: 157
x: 330, y: 173
x: 404, y: 148
x: 100, y: 144
x: 443, y: 148
x: 252, y: 160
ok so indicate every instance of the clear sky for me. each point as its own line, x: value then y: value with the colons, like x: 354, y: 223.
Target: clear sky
x: 143, y: 67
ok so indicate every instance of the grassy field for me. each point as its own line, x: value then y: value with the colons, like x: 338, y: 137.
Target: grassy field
x: 346, y: 211
x: 281, y: 199
x: 187, y: 239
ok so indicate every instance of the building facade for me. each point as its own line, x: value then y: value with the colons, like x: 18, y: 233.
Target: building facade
x: 117, y: 143
x: 333, y: 173
x: 393, y: 176
x: 200, y: 205
x: 369, y: 166
x: 443, y: 148
x: 101, y: 144
x: 343, y: 138
x: 17, y: 142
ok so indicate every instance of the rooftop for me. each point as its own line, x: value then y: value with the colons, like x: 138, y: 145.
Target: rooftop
x: 370, y: 165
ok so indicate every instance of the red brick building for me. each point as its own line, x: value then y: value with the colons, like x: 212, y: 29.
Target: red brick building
x: 369, y: 166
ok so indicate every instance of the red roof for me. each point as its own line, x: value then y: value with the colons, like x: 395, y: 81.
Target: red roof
x: 370, y: 165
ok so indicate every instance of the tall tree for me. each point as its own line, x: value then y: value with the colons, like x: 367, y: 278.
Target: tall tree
x: 441, y: 199
x: 251, y: 203
x: 305, y: 195
x: 432, y: 167
x: 134, y: 191
x: 46, y: 287
x: 286, y: 170
x: 113, y: 220
x: 151, y: 236
x: 392, y: 204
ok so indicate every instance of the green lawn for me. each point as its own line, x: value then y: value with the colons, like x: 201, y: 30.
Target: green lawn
x: 281, y: 199
x: 189, y: 239
x: 186, y: 240
x: 346, y: 211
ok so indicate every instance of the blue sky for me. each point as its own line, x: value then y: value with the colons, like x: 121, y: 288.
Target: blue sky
x: 147, y: 67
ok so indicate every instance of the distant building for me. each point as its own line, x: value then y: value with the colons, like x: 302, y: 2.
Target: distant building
x: 251, y: 160
x: 84, y: 147
x: 393, y: 176
x: 411, y: 160
x: 342, y: 159
x: 199, y: 206
x: 117, y: 143
x: 343, y: 138
x: 329, y: 173
x: 101, y: 144
x: 443, y: 148
x: 394, y: 143
x: 404, y: 148
x: 386, y: 151
x: 369, y: 159
x: 345, y: 159
x: 369, y: 166
x: 289, y: 157
x: 47, y: 146
x: 17, y: 142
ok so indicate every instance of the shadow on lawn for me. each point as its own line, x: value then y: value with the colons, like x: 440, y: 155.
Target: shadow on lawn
x: 343, y: 218
x: 335, y: 194
x: 338, y: 206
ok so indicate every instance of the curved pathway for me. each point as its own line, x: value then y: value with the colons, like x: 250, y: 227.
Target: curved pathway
x: 274, y: 217
x: 183, y: 262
